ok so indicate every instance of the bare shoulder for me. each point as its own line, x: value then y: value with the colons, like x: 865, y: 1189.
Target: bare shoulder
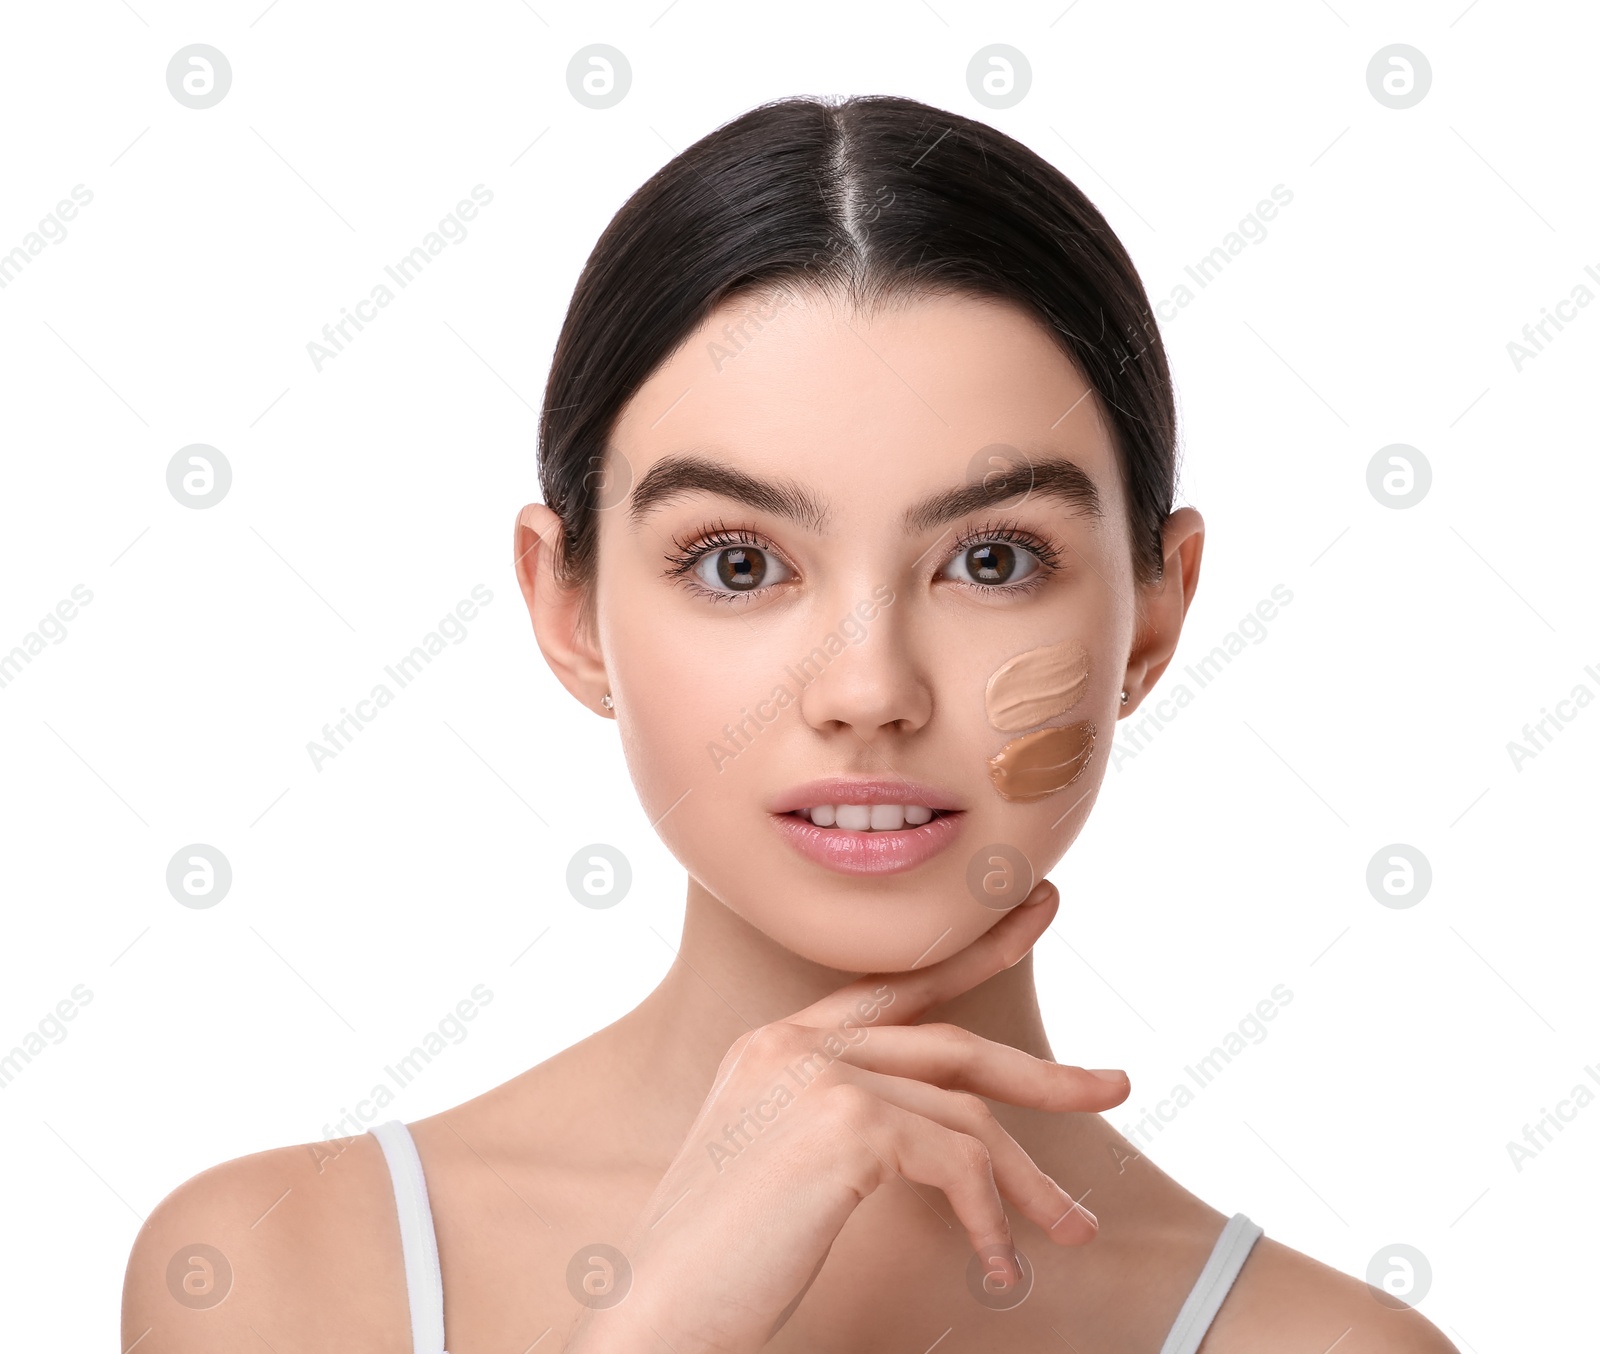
x: 297, y: 1246
x: 1284, y: 1299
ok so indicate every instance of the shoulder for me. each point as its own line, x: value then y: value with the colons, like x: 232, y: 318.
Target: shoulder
x: 299, y: 1246
x: 1284, y: 1299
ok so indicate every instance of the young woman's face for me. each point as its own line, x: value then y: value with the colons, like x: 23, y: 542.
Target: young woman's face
x: 891, y: 553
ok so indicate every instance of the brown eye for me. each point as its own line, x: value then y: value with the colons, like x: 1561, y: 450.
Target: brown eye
x: 742, y: 569
x: 992, y: 563
x: 739, y: 568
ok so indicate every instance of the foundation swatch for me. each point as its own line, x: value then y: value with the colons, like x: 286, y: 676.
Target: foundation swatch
x: 1036, y: 686
x: 1039, y: 764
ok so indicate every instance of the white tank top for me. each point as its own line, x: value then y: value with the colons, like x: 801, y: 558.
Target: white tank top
x: 425, y: 1288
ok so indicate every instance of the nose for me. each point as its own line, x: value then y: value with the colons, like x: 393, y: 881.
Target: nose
x: 864, y: 678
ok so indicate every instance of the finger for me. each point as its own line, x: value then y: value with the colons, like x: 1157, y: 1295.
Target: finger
x: 899, y: 998
x: 912, y: 1147
x: 1016, y: 1175
x: 956, y: 1059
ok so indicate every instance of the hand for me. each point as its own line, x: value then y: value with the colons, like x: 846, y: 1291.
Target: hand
x: 808, y: 1116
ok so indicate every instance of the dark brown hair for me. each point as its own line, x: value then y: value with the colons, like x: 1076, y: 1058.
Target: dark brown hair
x: 871, y: 197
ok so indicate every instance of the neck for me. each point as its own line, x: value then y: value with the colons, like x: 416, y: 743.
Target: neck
x: 729, y: 977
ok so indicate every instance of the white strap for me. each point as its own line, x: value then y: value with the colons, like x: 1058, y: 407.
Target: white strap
x: 1228, y: 1254
x: 424, y: 1287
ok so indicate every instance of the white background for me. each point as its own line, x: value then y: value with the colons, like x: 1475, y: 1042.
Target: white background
x: 1228, y: 856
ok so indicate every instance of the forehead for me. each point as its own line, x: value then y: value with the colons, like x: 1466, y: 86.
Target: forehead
x: 879, y: 408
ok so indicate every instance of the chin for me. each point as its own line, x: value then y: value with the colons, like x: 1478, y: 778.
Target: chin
x: 901, y: 892
x: 860, y: 926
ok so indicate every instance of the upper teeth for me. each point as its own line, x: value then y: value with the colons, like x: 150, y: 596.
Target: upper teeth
x: 868, y: 817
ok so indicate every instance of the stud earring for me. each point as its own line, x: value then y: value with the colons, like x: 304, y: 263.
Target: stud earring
x: 606, y: 700
x: 1124, y: 695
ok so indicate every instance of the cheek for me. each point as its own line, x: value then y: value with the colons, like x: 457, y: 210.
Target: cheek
x: 695, y: 708
x: 1039, y: 764
x: 1032, y: 690
x: 1036, y: 686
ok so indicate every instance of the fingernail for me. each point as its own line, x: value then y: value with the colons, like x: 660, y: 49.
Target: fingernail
x: 1073, y: 1206
x: 1040, y: 892
x: 1107, y: 1073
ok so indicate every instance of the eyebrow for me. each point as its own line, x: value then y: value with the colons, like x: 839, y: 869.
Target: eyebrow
x: 677, y: 476
x: 674, y: 477
x: 1053, y: 477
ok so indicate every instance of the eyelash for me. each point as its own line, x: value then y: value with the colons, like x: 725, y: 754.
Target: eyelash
x: 712, y: 537
x: 1009, y: 532
x: 707, y: 541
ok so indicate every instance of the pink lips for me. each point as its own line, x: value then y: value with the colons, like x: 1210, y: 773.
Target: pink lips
x: 870, y: 853
x: 861, y: 790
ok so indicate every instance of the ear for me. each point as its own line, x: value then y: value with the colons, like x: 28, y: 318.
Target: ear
x: 567, y: 644
x: 1163, y: 604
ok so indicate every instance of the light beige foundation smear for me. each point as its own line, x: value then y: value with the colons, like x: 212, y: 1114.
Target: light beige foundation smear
x: 1039, y: 764
x: 1036, y: 686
